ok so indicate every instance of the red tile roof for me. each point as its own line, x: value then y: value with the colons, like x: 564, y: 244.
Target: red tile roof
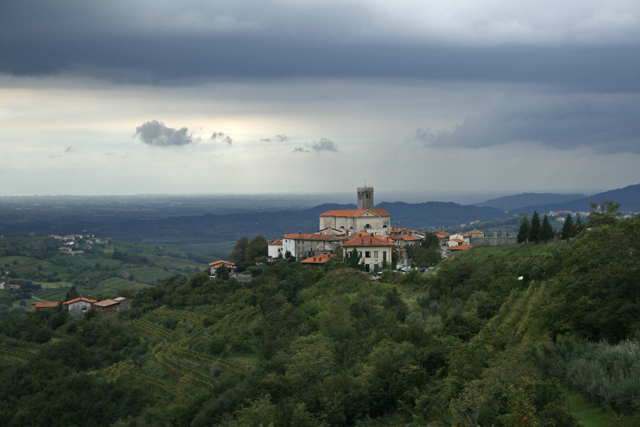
x: 277, y: 242
x: 221, y: 262
x: 458, y: 240
x: 353, y: 213
x: 106, y: 303
x: 318, y: 259
x: 474, y: 231
x: 79, y: 299
x: 366, y: 241
x: 460, y: 248
x: 408, y: 238
x: 44, y: 304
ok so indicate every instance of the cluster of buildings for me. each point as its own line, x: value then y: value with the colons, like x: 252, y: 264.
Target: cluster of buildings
x: 366, y: 230
x: 77, y: 307
x: 70, y: 240
x: 7, y: 287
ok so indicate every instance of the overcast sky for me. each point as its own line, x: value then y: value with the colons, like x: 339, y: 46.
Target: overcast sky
x: 249, y: 96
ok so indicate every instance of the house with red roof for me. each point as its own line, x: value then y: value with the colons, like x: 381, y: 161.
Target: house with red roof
x: 107, y: 305
x: 77, y: 307
x: 214, y: 265
x: 373, y: 251
x: 318, y: 260
x: 305, y: 245
x: 274, y: 248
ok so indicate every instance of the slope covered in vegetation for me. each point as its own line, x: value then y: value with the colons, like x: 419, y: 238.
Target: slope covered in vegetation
x: 469, y: 344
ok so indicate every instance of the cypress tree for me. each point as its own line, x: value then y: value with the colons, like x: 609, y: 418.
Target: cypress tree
x: 525, y: 229
x: 569, y: 228
x: 546, y: 230
x: 534, y: 233
x: 579, y: 225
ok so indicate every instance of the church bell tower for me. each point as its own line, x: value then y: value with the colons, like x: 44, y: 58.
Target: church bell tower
x: 365, y: 198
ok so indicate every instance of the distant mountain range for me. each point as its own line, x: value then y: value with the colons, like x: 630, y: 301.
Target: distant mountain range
x: 198, y: 232
x: 518, y: 201
x: 628, y: 197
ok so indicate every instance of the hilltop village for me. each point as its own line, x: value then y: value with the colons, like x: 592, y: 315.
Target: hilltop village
x: 368, y: 232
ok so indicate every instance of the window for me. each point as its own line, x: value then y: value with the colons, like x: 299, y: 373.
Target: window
x: 384, y: 256
x: 367, y: 254
x: 359, y: 254
x: 367, y: 226
x: 375, y: 254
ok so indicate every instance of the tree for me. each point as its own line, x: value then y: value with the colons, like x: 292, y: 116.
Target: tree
x: 546, y: 230
x: 569, y: 228
x: 257, y: 248
x: 430, y: 240
x: 222, y: 272
x: 579, y: 225
x: 525, y: 230
x: 603, y: 214
x: 239, y: 252
x: 534, y: 232
x: 72, y: 294
x: 353, y: 260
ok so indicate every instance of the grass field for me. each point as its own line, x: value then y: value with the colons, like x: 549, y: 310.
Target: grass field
x: 587, y: 414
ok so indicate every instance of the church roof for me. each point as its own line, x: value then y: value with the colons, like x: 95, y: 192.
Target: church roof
x: 354, y: 213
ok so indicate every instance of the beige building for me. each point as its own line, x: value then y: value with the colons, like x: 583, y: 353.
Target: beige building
x: 305, y: 245
x: 372, y: 251
x: 365, y: 218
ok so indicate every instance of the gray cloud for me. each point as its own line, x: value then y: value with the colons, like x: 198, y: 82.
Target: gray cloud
x: 71, y: 149
x: 221, y: 137
x: 279, y: 138
x: 157, y: 134
x: 323, y: 145
x: 485, y: 40
x: 607, y: 124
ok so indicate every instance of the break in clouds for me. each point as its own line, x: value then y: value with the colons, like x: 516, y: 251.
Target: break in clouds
x: 605, y: 124
x: 316, y: 146
x: 155, y: 133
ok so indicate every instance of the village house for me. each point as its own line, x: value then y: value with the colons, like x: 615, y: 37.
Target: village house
x: 77, y: 307
x: 107, y: 305
x: 274, y: 249
x: 305, y: 245
x: 42, y: 305
x: 373, y: 251
x: 318, y: 260
x: 214, y: 266
x: 125, y: 303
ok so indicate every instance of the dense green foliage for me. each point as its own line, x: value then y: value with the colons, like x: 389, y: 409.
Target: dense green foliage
x: 467, y: 344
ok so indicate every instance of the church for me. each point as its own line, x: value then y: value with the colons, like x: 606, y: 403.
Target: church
x: 365, y: 218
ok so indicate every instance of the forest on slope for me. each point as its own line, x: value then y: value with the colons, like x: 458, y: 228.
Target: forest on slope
x: 468, y: 344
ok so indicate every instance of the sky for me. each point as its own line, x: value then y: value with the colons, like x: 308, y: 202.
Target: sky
x: 255, y: 96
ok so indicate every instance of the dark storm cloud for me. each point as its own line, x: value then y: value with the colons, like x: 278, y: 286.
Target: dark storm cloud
x: 221, y: 137
x: 277, y: 41
x: 607, y: 124
x: 157, y: 134
x: 323, y: 145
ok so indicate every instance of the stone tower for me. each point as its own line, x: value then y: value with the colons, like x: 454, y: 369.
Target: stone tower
x: 365, y: 197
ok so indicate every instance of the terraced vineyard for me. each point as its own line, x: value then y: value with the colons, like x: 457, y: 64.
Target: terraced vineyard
x: 174, y: 357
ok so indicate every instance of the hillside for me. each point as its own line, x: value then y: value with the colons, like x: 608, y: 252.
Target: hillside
x: 628, y: 197
x: 465, y: 344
